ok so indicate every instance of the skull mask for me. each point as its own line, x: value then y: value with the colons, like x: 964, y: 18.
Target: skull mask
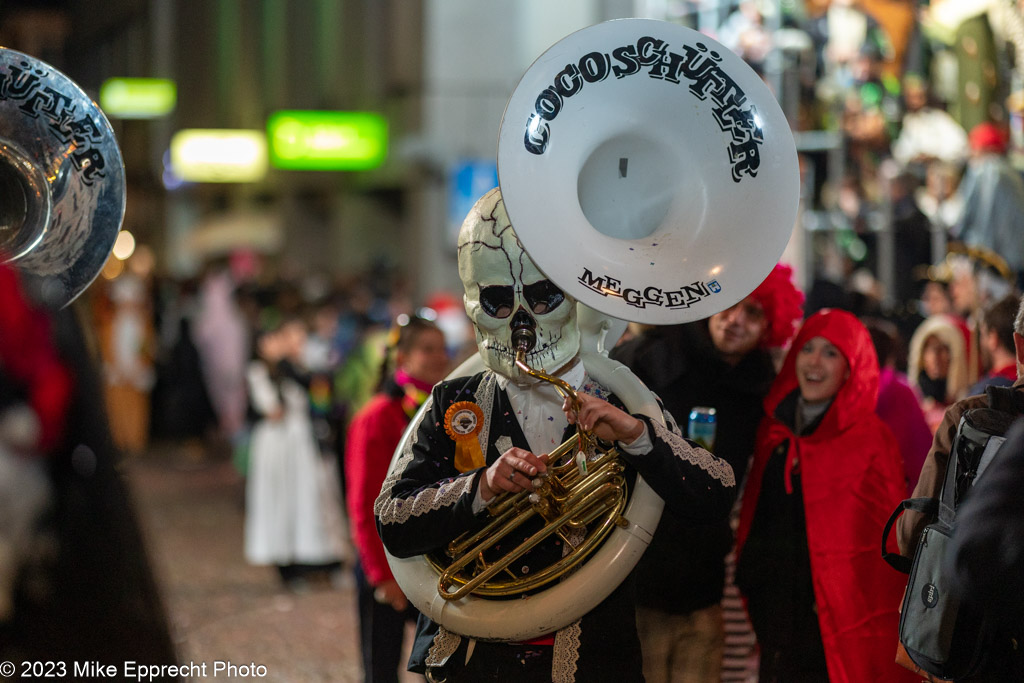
x: 504, y: 288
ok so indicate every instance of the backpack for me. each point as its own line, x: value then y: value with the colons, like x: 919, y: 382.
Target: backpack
x: 943, y: 635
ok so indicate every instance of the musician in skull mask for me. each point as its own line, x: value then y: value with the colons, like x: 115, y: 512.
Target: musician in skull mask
x: 489, y: 433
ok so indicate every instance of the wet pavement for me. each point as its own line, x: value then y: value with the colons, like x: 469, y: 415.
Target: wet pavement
x: 191, y: 510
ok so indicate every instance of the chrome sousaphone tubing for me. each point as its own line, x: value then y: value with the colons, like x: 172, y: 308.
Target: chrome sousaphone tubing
x: 62, y: 191
x: 651, y: 174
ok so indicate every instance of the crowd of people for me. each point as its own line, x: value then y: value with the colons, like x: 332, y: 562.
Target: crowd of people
x: 924, y: 101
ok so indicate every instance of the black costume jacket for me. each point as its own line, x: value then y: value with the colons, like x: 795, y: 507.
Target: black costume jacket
x: 426, y: 502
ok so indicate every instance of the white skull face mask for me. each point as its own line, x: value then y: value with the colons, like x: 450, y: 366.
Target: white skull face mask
x: 505, y: 288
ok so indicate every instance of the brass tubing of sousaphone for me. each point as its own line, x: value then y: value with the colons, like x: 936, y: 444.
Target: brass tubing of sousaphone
x: 563, y: 387
x: 604, y: 491
x: 567, y: 497
x: 509, y: 505
x: 498, y: 506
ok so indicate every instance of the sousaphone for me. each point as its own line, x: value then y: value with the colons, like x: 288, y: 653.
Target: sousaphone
x: 62, y: 191
x: 651, y: 174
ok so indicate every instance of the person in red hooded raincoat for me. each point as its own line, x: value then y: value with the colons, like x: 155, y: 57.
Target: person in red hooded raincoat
x: 825, y: 476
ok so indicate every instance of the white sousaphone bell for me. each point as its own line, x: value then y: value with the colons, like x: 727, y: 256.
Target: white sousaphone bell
x: 651, y: 174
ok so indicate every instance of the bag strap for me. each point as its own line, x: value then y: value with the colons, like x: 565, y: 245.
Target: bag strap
x: 947, y: 496
x: 1005, y: 399
x: 927, y: 506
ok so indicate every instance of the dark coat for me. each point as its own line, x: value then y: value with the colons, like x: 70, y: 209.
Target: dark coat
x: 683, y: 570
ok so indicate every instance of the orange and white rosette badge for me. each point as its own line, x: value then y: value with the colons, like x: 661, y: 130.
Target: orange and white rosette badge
x: 463, y: 422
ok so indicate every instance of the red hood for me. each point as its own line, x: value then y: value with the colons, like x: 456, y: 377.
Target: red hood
x: 858, y: 395
x: 851, y: 477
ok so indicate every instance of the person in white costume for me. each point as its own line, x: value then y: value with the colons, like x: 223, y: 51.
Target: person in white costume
x: 292, y: 518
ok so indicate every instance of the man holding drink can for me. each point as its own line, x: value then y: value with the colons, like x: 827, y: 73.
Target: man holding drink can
x: 717, y: 371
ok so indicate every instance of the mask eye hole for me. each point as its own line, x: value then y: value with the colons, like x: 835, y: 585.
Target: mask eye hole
x: 543, y: 296
x: 497, y: 300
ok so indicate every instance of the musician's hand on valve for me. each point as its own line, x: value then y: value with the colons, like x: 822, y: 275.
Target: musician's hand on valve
x: 514, y: 471
x: 603, y: 419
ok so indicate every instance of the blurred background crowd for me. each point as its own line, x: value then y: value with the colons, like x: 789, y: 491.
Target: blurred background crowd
x: 909, y: 125
x: 908, y: 121
x: 908, y: 117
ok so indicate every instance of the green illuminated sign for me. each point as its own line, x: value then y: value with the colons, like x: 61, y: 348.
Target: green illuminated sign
x: 138, y: 98
x: 327, y: 140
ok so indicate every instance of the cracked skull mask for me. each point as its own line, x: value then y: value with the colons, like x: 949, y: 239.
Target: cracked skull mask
x: 504, y: 287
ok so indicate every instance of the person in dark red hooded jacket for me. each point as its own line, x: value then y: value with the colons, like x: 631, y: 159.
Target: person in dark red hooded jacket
x: 826, y: 473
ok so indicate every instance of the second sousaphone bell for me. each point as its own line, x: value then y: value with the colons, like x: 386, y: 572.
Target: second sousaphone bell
x: 62, y: 191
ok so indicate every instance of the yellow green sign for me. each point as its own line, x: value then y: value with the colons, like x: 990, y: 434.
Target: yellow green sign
x: 138, y: 98
x: 219, y: 155
x: 327, y: 140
